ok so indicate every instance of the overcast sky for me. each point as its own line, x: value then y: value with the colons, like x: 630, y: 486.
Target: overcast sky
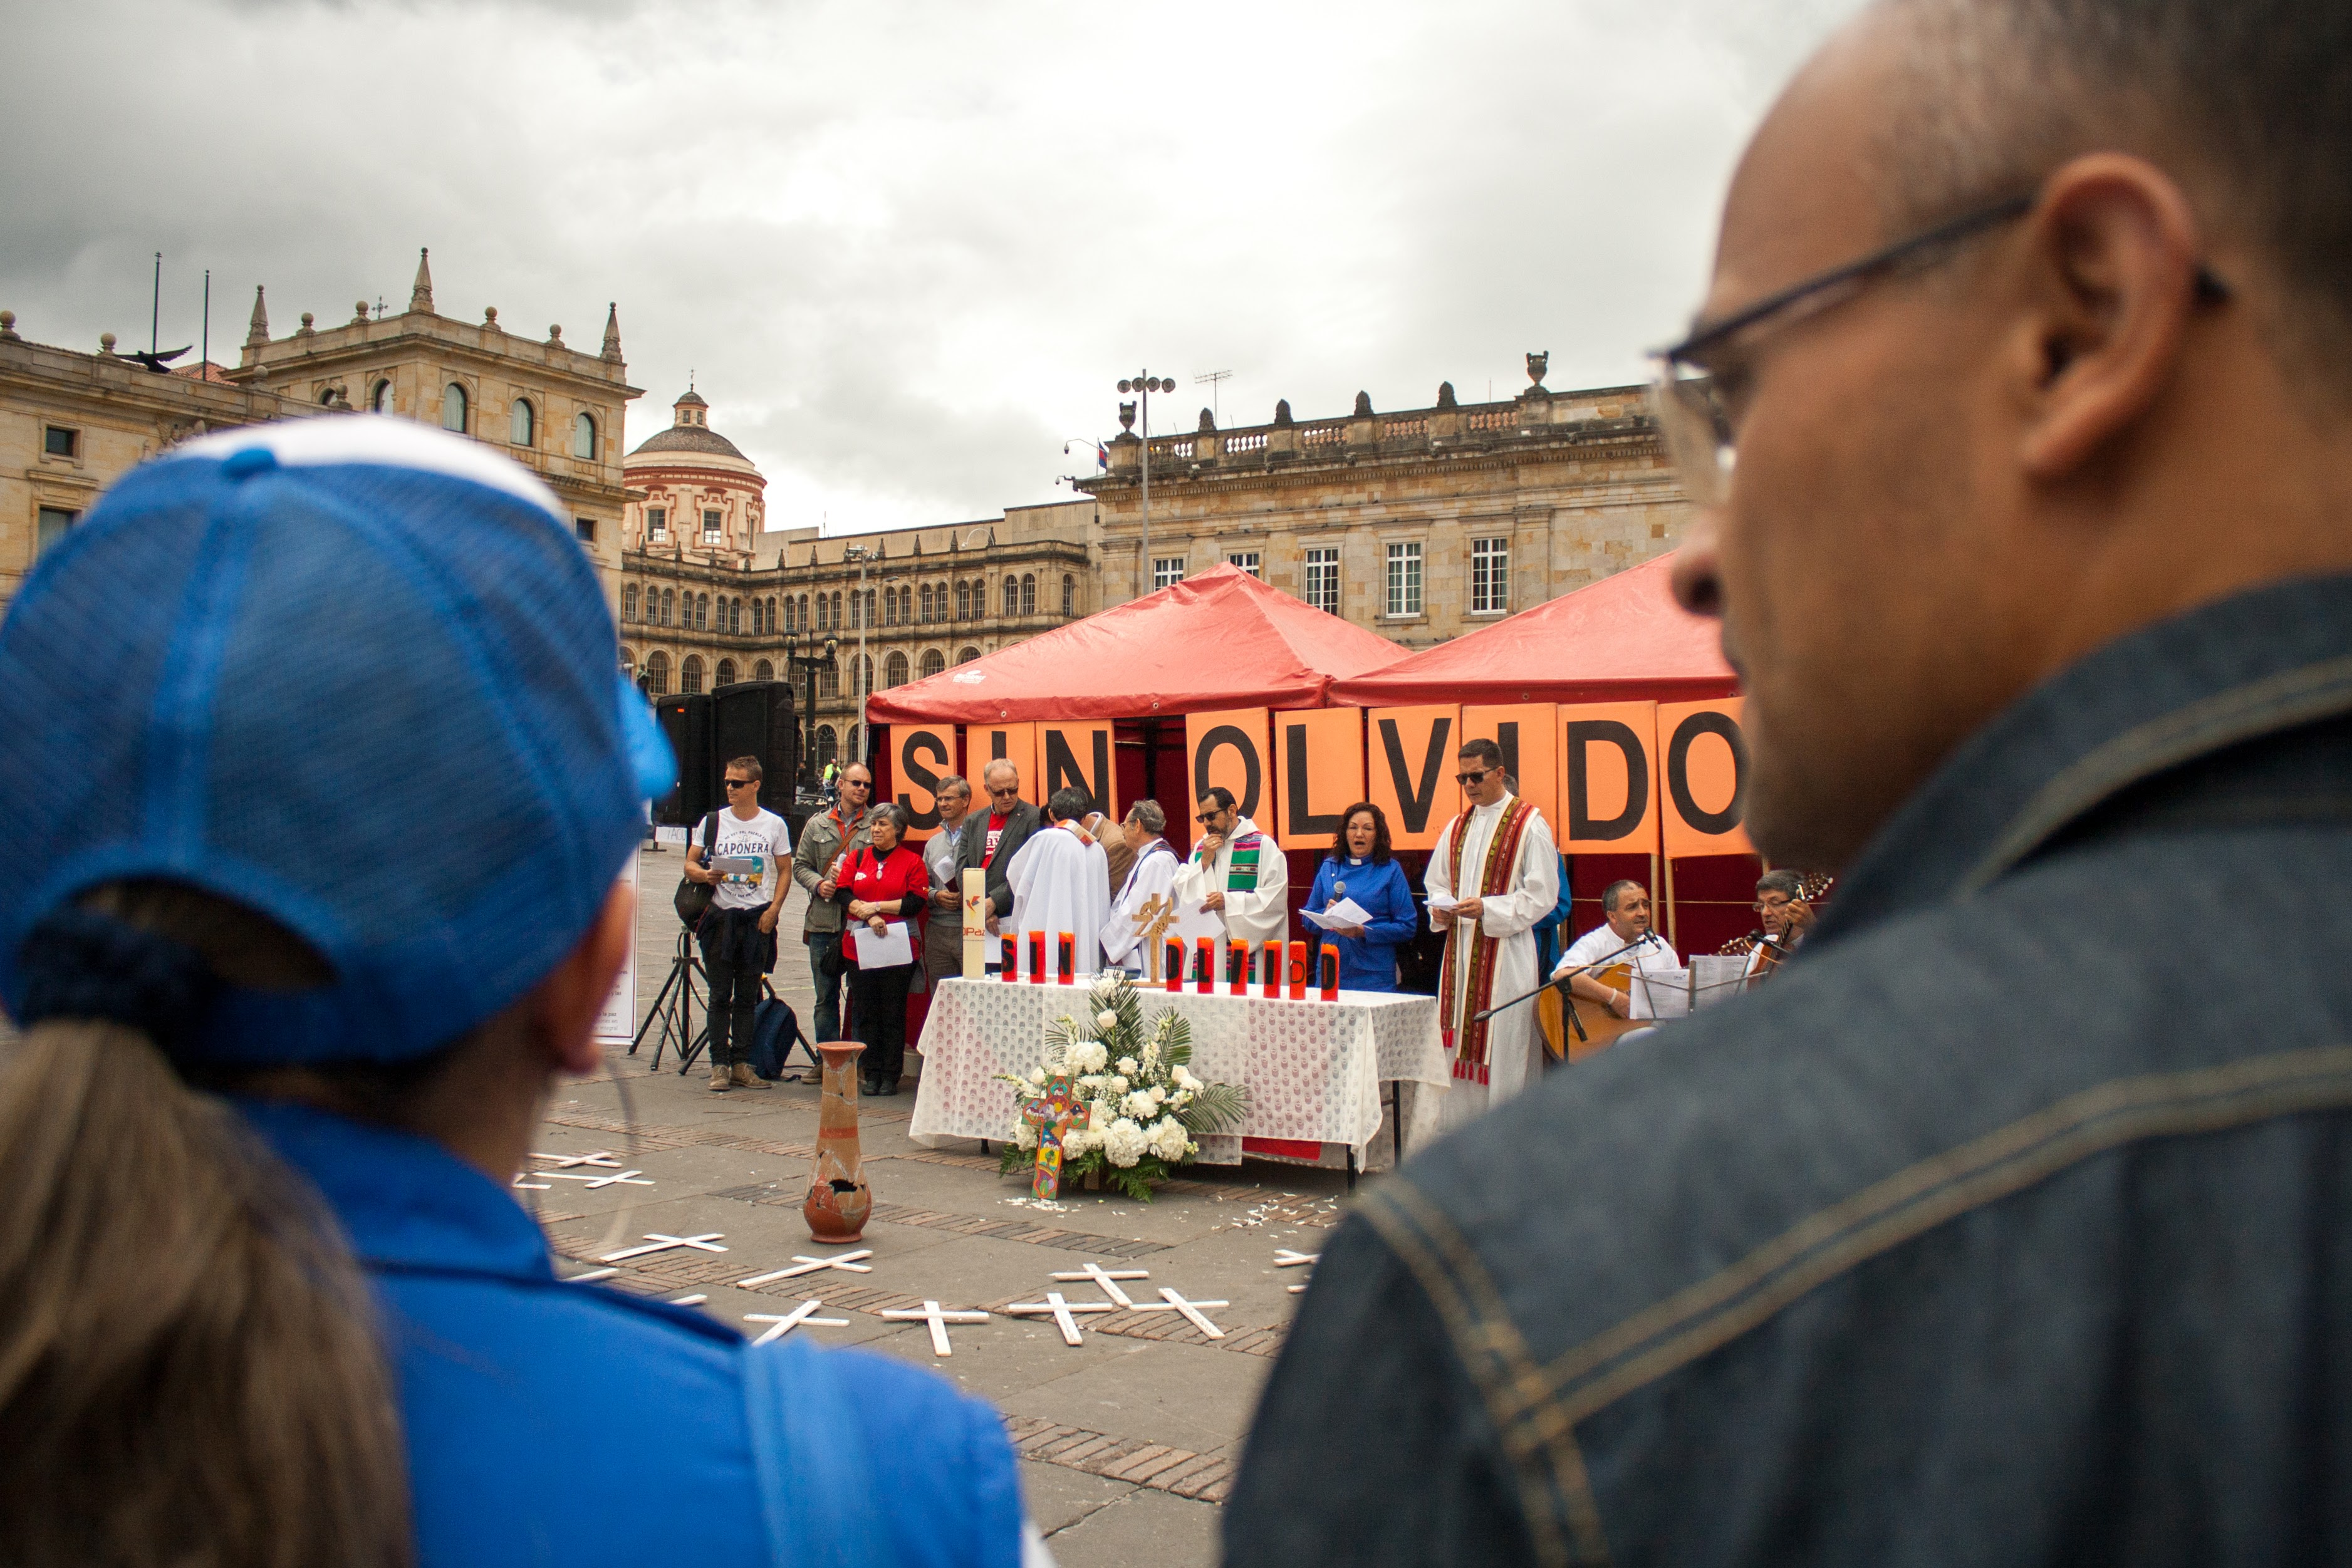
x: 906, y: 249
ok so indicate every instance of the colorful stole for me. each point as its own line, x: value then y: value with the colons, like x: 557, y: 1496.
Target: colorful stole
x: 1494, y: 878
x: 1240, y: 870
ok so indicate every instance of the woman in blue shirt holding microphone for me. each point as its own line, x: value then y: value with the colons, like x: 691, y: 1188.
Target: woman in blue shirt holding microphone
x: 1361, y: 868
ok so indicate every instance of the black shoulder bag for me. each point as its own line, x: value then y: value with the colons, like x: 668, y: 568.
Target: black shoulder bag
x: 692, y: 899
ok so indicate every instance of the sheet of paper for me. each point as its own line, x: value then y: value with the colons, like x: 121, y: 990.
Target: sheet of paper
x: 1667, y: 990
x: 888, y: 951
x: 617, y: 1022
x: 1192, y: 923
x: 1346, y: 912
x: 736, y: 865
x: 1715, y: 978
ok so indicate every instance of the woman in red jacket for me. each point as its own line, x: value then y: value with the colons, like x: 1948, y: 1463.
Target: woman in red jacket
x: 887, y: 882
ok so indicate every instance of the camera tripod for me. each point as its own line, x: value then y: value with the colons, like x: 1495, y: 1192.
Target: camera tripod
x: 673, y: 1009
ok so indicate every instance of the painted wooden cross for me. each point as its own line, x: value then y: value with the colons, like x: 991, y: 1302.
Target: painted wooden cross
x: 847, y: 1262
x: 931, y: 1314
x: 1060, y: 1311
x: 782, y: 1323
x: 1103, y: 1277
x: 1051, y: 1113
x: 1152, y: 919
x: 565, y: 1162
x: 1283, y: 1257
x: 657, y: 1242
x: 1171, y: 1302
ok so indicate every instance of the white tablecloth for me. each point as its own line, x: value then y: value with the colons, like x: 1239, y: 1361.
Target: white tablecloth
x: 1314, y: 1069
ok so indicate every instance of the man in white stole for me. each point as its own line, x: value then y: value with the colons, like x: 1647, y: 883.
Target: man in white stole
x: 1496, y: 865
x: 1061, y: 882
x: 1149, y: 875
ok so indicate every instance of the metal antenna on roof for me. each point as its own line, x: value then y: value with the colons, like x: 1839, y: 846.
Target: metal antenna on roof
x: 1213, y: 381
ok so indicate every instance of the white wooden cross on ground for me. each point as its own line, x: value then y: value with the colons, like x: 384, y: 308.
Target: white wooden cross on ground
x: 1060, y: 1311
x: 803, y: 1264
x: 593, y: 1181
x: 589, y: 1278
x: 565, y: 1162
x: 938, y: 1321
x: 1171, y: 1302
x: 694, y: 1301
x: 1103, y: 1278
x: 657, y: 1242
x: 782, y: 1323
x: 1283, y: 1257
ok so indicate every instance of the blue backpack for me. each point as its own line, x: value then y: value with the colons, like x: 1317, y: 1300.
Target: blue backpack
x: 773, y: 1031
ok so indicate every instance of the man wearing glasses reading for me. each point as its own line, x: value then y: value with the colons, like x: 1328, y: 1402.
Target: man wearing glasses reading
x: 1999, y: 1228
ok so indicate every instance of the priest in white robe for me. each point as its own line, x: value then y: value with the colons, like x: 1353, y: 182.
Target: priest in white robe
x: 1145, y: 900
x: 1496, y: 867
x: 1061, y: 882
x: 1236, y: 872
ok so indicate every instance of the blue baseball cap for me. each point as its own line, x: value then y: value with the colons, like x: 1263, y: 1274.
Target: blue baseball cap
x: 351, y: 673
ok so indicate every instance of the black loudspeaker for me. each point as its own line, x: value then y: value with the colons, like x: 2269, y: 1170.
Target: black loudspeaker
x: 686, y: 718
x: 759, y: 718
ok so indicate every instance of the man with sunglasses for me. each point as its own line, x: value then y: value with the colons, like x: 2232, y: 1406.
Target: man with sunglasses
x: 2007, y: 1224
x: 992, y: 837
x: 746, y: 875
x: 1236, y: 872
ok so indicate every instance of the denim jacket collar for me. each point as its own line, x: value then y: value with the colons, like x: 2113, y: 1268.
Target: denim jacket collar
x: 2253, y: 664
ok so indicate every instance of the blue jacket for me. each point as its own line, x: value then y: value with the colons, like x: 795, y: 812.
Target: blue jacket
x: 550, y: 1424
x: 2010, y: 1224
x: 1367, y: 963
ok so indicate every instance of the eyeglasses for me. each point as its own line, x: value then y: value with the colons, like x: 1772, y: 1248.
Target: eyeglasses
x: 857, y: 784
x: 1209, y: 818
x: 1471, y: 780
x: 738, y: 783
x: 1691, y: 399
x: 1010, y: 792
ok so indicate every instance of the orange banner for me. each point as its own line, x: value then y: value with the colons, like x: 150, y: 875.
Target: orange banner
x: 1079, y: 755
x: 1608, y: 778
x: 1016, y: 743
x: 1409, y: 754
x: 1319, y: 769
x: 1529, y: 737
x: 1230, y: 748
x: 1703, y: 757
x: 922, y: 755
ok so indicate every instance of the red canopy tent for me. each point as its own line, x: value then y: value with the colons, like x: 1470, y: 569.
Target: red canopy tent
x: 1623, y: 639
x: 1221, y: 640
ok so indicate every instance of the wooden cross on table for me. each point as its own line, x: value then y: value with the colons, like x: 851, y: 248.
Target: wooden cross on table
x: 565, y: 1162
x: 1103, y: 1277
x: 938, y: 1321
x: 1171, y: 1302
x: 1060, y: 1311
x: 782, y: 1323
x: 1152, y: 919
x: 657, y: 1242
x: 847, y: 1262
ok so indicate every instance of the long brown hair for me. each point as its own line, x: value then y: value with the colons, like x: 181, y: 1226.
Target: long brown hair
x: 189, y: 1366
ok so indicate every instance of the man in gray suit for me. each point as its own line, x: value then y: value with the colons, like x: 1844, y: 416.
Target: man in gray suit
x: 991, y: 837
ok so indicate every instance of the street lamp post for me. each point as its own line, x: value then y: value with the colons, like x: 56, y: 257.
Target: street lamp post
x: 1143, y: 386
x: 864, y: 557
x: 808, y: 663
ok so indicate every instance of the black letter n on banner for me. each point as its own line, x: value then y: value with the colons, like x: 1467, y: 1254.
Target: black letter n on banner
x: 1583, y: 733
x: 1062, y: 768
x: 1413, y: 804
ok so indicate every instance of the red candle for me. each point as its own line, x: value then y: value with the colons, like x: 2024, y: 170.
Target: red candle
x: 1066, y: 955
x: 1299, y: 971
x: 1237, y: 967
x: 1204, y: 966
x: 1174, y: 963
x: 1036, y: 957
x: 1269, y: 969
x: 1011, y: 970
x: 1330, y: 971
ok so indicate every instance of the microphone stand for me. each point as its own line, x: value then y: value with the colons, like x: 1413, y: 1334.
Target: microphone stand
x: 1560, y: 984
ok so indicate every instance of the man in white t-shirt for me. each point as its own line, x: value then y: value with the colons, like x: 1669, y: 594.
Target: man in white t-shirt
x: 1625, y: 917
x: 746, y: 873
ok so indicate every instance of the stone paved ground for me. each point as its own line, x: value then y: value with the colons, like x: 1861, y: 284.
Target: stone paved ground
x: 1128, y: 1442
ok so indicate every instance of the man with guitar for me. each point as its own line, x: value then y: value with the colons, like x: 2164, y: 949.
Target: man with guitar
x: 1625, y: 918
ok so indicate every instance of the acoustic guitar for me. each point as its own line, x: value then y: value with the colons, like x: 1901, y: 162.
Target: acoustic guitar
x: 1601, y: 1027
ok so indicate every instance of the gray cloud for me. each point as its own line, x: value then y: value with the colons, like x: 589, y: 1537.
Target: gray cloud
x: 905, y: 247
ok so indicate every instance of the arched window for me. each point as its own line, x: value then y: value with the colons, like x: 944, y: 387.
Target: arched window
x: 828, y: 680
x: 1012, y: 596
x: 735, y: 616
x: 963, y: 601
x: 865, y: 675
x: 834, y: 622
x: 702, y: 612
x: 380, y: 399
x: 894, y: 670
x: 658, y: 673
x: 453, y: 408
x: 628, y: 664
x: 726, y: 676
x: 758, y: 611
x: 522, y: 426
x: 869, y: 607
x: 792, y: 613
x: 858, y: 616
x: 933, y: 662
x: 967, y: 656
x: 771, y: 614
x: 583, y: 436
x: 927, y: 603
x: 1070, y: 593
x: 763, y: 671
x: 629, y: 602
x: 827, y: 748
x: 669, y: 607
x: 690, y: 674
x: 854, y: 751
x: 1028, y: 594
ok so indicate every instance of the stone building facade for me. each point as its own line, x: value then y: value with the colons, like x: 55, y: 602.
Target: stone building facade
x: 1421, y: 524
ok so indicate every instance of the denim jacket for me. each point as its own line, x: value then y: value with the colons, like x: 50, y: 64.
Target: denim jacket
x: 2009, y: 1225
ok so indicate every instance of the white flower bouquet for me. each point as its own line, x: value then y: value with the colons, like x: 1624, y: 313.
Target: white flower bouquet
x: 1140, y: 1108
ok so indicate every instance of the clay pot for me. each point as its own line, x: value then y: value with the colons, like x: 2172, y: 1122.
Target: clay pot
x: 838, y: 1198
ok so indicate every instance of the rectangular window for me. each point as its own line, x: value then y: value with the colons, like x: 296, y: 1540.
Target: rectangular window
x: 1167, y: 572
x: 50, y: 526
x: 1404, y: 580
x: 657, y: 522
x: 1248, y: 561
x: 712, y: 530
x: 586, y: 528
x: 1323, y: 577
x: 57, y: 441
x: 1490, y: 576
